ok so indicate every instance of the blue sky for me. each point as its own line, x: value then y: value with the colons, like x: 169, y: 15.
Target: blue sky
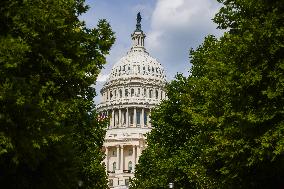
x: 172, y: 27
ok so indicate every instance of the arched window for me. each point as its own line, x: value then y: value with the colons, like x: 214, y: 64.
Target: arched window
x: 114, y: 93
x: 145, y: 94
x: 114, y: 166
x: 138, y: 92
x: 126, y: 92
x: 110, y: 95
x: 130, y: 165
x: 150, y: 93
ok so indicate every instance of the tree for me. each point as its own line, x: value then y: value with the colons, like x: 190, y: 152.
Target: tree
x: 49, y: 133
x: 222, y: 127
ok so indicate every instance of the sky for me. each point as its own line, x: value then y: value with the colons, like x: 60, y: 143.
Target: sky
x: 172, y: 28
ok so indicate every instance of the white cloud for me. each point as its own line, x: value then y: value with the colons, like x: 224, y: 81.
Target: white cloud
x: 102, y: 77
x: 181, y: 14
x: 177, y: 26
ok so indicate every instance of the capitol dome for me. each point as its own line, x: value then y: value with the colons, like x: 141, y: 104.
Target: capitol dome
x: 135, y: 75
x: 135, y: 86
x: 137, y: 63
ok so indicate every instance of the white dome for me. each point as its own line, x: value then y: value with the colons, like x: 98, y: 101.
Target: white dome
x: 136, y: 79
x: 137, y: 63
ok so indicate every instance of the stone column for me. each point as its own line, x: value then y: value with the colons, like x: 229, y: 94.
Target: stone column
x: 121, y: 164
x: 116, y: 118
x: 117, y: 155
x: 119, y: 118
x: 134, y: 118
x: 127, y: 118
x: 142, y: 122
x: 112, y: 118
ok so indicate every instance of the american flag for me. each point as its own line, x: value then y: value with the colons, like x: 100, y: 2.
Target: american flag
x: 102, y: 116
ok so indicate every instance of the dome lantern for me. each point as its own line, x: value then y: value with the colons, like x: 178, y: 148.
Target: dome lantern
x: 138, y: 36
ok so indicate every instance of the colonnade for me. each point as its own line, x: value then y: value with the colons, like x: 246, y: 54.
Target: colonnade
x: 129, y: 117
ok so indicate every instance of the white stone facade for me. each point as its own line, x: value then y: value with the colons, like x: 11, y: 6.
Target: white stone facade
x: 136, y: 85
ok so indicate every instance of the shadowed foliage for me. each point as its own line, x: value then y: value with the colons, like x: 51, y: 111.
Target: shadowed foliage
x: 49, y: 133
x: 223, y: 126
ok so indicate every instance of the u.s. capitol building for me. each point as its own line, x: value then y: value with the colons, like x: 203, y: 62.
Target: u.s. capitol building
x: 135, y: 85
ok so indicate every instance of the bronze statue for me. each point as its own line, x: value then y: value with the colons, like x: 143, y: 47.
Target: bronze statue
x: 139, y: 18
x: 138, y: 25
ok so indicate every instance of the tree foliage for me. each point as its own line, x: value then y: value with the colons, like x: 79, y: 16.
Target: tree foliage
x: 223, y: 126
x: 49, y: 135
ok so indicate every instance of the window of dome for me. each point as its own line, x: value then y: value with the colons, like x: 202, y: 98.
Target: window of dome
x: 145, y: 94
x: 126, y: 92
x: 110, y: 95
x: 138, y: 92
x: 150, y: 93
x: 132, y: 92
x: 157, y: 94
x: 120, y: 93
